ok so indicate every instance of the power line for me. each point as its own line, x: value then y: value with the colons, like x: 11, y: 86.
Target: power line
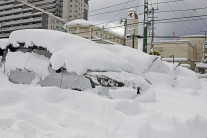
x: 179, y: 19
x: 163, y: 12
x: 117, y: 14
x: 164, y: 2
x: 186, y: 6
x: 200, y: 18
x: 166, y: 20
x: 112, y: 6
x: 184, y: 14
x: 203, y: 8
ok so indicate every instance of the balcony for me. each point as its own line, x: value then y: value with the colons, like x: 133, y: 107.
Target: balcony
x: 15, y: 11
x: 10, y: 6
x: 7, y: 18
x: 21, y: 27
x: 22, y: 21
x: 5, y: 35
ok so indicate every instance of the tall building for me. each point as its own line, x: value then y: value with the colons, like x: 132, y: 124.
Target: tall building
x: 66, y: 9
x: 16, y: 15
x: 52, y: 6
x: 132, y: 29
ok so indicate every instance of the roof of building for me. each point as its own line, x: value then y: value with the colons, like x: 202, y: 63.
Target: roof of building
x: 175, y: 42
x: 175, y: 59
x: 193, y: 36
x: 79, y: 22
x: 105, y: 41
x: 86, y: 23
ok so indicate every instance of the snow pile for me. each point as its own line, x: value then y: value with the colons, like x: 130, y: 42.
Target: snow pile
x: 201, y: 65
x: 185, y: 78
x: 159, y: 78
x: 3, y: 43
x: 173, y: 106
x: 27, y: 61
x: 49, y: 39
x: 78, y: 22
x: 41, y: 112
x: 80, y: 55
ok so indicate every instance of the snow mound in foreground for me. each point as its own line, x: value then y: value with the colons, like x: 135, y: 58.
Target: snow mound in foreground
x: 36, y: 112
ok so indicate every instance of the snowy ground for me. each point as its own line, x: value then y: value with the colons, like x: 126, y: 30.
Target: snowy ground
x: 31, y: 111
x: 174, y: 106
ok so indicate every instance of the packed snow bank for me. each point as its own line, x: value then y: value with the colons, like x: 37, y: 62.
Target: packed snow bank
x: 80, y: 55
x: 37, y: 112
x: 159, y: 78
x: 4, y: 43
x: 185, y: 78
x: 27, y: 61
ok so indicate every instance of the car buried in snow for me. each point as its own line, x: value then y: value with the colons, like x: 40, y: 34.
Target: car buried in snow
x: 51, y: 58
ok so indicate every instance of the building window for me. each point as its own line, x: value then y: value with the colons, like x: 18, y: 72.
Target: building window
x: 73, y: 30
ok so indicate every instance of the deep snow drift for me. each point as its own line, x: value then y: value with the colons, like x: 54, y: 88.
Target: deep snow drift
x: 174, y: 106
x: 50, y: 112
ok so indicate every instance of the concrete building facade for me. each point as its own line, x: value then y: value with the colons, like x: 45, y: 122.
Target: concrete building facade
x: 17, y: 15
x: 183, y: 51
x: 198, y: 42
x: 90, y: 31
x: 132, y: 29
x: 66, y: 9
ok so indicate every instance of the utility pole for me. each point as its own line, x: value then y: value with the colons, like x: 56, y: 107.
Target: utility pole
x: 102, y: 38
x: 125, y: 29
x: 145, y: 26
x: 204, y: 60
x: 133, y: 37
x: 153, y: 31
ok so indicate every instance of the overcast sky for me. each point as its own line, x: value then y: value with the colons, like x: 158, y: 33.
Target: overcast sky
x: 189, y: 27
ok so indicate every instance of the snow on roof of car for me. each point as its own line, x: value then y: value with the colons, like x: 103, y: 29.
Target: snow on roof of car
x: 80, y: 55
x: 3, y: 43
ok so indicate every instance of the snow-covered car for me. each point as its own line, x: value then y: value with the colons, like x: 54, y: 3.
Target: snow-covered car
x: 52, y: 58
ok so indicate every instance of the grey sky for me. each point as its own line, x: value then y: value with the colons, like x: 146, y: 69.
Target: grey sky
x: 189, y: 27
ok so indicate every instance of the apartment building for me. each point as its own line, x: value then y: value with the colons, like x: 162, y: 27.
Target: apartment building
x: 90, y: 31
x: 66, y: 9
x: 17, y: 15
x: 52, y: 6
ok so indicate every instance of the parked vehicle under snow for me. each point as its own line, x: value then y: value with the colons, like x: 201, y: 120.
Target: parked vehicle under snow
x: 52, y: 58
